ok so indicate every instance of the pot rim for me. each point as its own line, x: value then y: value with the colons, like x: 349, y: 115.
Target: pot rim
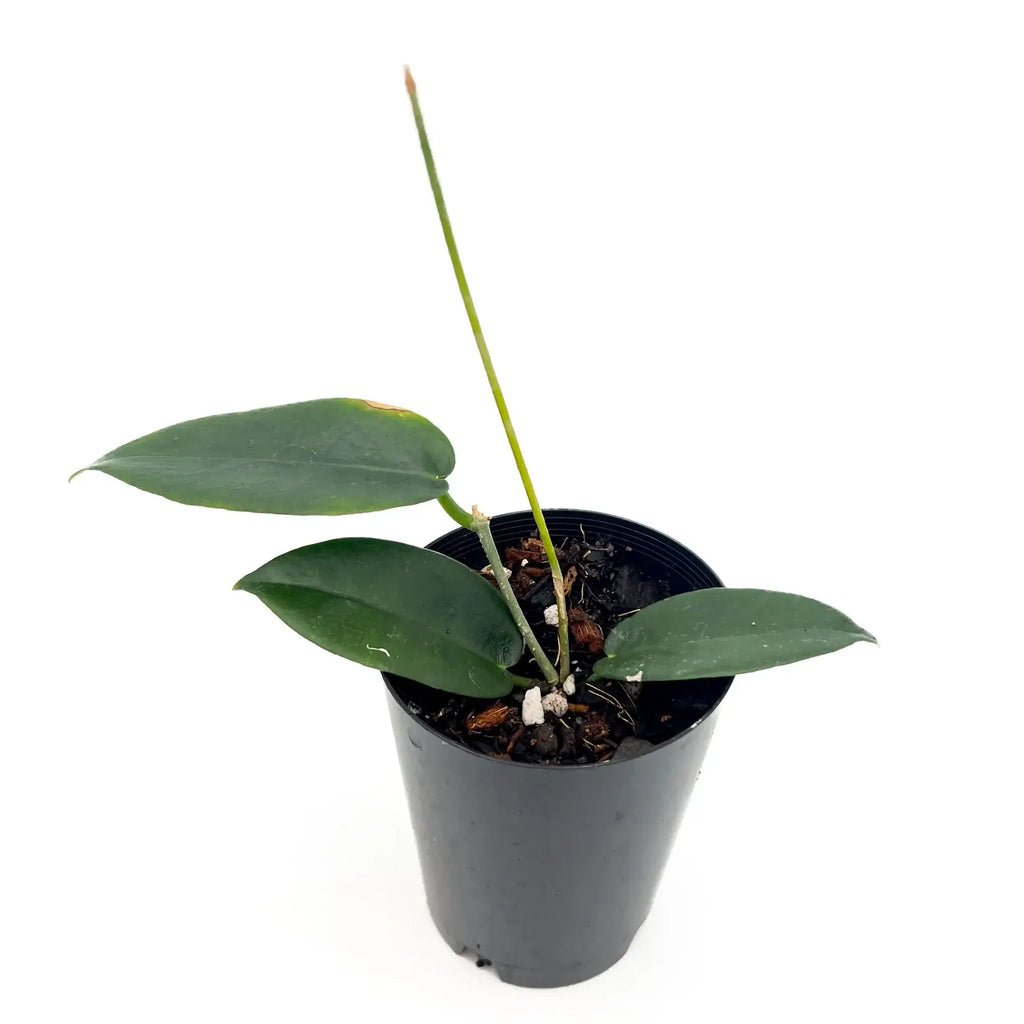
x: 606, y: 765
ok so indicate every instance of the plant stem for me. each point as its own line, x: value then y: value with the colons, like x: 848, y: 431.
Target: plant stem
x: 492, y: 377
x: 456, y: 511
x: 523, y: 684
x: 482, y: 528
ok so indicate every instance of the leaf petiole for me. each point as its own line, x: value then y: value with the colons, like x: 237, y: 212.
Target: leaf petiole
x: 456, y: 511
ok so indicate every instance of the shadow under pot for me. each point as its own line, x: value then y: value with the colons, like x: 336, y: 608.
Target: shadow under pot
x: 547, y: 871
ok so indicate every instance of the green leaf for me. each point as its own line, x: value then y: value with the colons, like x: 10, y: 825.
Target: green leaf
x: 327, y: 457
x: 397, y: 608
x: 723, y: 632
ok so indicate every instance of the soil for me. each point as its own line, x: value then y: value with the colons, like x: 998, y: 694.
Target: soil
x: 606, y: 719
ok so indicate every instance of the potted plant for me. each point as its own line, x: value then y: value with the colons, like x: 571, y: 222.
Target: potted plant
x: 553, y: 676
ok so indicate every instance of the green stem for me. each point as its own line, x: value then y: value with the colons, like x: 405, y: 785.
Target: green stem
x: 482, y: 528
x: 456, y: 511
x: 523, y: 684
x: 492, y: 377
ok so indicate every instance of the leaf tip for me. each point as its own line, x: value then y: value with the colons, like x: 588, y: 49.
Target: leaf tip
x: 410, y: 83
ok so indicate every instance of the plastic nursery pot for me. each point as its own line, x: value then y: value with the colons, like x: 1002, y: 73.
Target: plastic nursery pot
x: 548, y: 871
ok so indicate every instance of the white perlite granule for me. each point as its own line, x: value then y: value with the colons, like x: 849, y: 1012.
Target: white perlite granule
x: 551, y: 615
x: 488, y: 571
x: 569, y: 686
x: 533, y: 707
x: 556, y: 703
x: 638, y: 678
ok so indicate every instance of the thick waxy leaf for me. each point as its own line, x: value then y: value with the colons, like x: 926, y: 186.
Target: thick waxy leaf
x: 722, y: 632
x: 395, y: 607
x: 326, y: 457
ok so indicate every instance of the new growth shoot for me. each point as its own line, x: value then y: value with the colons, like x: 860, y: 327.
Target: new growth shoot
x: 499, y: 398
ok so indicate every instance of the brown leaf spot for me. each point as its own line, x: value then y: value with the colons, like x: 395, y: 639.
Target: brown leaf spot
x: 381, y: 405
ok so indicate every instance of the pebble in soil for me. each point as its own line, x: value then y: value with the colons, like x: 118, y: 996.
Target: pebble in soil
x: 606, y: 719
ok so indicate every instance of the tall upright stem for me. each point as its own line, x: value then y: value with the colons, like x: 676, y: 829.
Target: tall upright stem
x: 492, y: 377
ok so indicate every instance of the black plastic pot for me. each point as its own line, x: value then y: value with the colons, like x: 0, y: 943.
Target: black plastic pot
x: 548, y: 871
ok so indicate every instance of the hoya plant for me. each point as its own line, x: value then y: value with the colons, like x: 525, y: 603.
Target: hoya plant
x: 417, y: 613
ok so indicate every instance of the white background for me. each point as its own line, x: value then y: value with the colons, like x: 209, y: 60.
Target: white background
x: 751, y: 274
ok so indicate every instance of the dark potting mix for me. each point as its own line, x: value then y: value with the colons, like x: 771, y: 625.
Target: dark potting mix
x: 605, y: 719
